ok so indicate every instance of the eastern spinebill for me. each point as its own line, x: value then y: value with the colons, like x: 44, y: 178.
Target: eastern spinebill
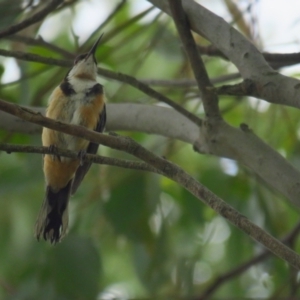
x: 78, y: 100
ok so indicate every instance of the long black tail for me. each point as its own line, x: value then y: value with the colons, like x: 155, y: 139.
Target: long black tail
x: 52, y: 221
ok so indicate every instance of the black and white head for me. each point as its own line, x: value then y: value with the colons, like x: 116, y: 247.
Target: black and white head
x: 85, y: 65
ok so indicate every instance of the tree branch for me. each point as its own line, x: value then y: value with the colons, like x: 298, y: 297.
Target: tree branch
x: 245, y: 266
x: 109, y: 74
x: 275, y: 60
x: 97, y: 159
x: 31, y: 20
x: 36, y: 58
x: 124, y: 116
x: 209, y: 97
x: 271, y: 86
x: 169, y: 170
x: 221, y: 140
x: 243, y: 145
x: 150, y: 92
x: 39, y: 41
x: 186, y: 83
x: 244, y: 88
x: 279, y: 60
x: 106, y: 21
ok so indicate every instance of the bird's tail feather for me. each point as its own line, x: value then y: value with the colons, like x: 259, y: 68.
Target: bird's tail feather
x: 52, y: 221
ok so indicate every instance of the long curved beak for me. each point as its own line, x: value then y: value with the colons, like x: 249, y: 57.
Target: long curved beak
x: 93, y: 49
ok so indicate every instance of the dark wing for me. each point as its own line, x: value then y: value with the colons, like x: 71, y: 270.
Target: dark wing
x: 92, y: 149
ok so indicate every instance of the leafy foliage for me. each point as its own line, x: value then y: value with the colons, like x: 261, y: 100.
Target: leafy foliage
x: 135, y: 234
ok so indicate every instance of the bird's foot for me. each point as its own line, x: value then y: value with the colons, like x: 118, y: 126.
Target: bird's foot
x: 81, y: 155
x: 52, y: 148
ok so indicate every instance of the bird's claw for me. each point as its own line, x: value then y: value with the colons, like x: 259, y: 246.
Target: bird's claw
x: 81, y: 155
x: 52, y: 148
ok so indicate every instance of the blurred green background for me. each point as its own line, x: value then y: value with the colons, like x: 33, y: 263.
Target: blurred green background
x: 135, y: 234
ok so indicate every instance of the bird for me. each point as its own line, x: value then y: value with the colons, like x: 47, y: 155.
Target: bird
x: 78, y: 100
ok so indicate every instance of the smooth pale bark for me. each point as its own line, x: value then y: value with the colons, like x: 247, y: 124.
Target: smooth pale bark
x: 267, y: 83
x: 218, y: 139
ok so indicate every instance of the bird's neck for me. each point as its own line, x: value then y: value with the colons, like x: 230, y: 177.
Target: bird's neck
x: 81, y: 84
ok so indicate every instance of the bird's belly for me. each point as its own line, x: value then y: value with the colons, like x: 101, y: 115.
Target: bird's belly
x: 79, y: 109
x: 86, y: 113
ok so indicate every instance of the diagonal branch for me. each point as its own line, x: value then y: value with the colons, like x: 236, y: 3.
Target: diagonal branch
x: 169, y: 170
x: 245, y: 88
x: 97, y: 159
x: 36, y: 58
x: 40, y: 15
x: 109, y: 74
x: 105, y: 22
x: 290, y: 237
x: 188, y: 83
x: 39, y: 41
x: 240, y: 144
x: 275, y: 60
x: 209, y: 97
x: 271, y: 86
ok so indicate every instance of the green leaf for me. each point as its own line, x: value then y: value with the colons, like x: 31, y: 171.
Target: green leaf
x: 75, y: 268
x: 129, y: 208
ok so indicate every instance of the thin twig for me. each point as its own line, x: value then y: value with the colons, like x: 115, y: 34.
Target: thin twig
x: 279, y: 60
x: 31, y: 20
x: 245, y: 88
x: 186, y: 83
x: 109, y: 74
x: 291, y: 236
x: 118, y: 29
x: 209, y: 97
x: 107, y: 20
x: 276, y: 60
x: 98, y: 159
x: 169, y: 170
x: 36, y: 58
x: 39, y: 42
x: 25, y: 76
x: 211, y: 51
x: 150, y: 92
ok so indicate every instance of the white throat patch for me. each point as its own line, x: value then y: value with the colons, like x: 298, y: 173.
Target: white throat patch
x: 81, y: 85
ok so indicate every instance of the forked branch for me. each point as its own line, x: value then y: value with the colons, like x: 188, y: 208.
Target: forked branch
x: 169, y: 170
